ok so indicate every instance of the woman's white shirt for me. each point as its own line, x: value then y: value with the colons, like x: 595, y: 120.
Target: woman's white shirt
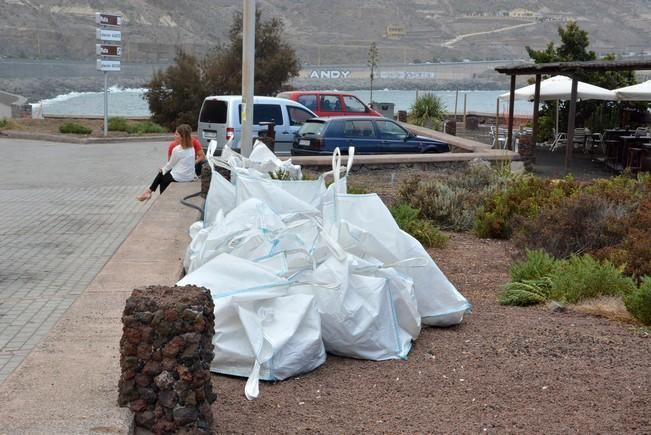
x: 181, y: 163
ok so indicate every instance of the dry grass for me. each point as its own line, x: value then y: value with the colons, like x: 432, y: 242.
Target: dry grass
x: 609, y: 307
x: 11, y: 124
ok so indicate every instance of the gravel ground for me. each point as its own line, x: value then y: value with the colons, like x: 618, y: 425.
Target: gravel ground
x: 503, y: 370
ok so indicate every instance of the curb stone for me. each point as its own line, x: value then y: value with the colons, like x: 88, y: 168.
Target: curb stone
x: 81, y: 139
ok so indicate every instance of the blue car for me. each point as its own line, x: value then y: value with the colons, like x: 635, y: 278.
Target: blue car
x: 368, y: 134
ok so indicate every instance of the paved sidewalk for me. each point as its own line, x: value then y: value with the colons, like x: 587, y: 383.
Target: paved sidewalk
x: 66, y: 208
x: 68, y: 384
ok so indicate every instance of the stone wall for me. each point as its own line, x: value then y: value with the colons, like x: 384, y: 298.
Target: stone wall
x: 165, y: 355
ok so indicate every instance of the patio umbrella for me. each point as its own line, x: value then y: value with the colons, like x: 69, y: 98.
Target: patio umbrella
x: 639, y: 92
x: 560, y: 88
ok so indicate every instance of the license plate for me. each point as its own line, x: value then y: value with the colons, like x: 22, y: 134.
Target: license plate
x: 209, y: 135
x: 304, y: 142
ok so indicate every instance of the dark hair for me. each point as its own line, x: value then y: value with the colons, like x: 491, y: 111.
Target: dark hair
x: 186, y: 135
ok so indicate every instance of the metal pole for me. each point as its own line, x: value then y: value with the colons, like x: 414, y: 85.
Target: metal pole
x: 465, y: 101
x: 570, y: 125
x: 509, y: 138
x: 497, y: 116
x: 248, y: 75
x: 536, y: 106
x: 105, y: 103
x: 557, y: 132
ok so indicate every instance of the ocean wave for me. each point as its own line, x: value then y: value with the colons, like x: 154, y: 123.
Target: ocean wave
x: 70, y: 95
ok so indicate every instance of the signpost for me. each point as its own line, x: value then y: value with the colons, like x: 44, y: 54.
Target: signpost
x: 107, y: 51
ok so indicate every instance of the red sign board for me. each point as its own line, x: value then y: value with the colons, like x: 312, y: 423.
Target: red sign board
x: 108, y: 50
x: 108, y: 20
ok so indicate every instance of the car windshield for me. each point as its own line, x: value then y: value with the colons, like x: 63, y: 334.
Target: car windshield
x: 312, y: 127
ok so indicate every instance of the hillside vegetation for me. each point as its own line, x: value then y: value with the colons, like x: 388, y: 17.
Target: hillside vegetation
x: 326, y: 31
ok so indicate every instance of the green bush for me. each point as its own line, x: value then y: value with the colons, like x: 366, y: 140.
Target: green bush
x: 538, y: 264
x: 280, y: 174
x: 118, y: 123
x: 73, y: 127
x: 409, y: 220
x: 526, y: 292
x: 3, y: 123
x: 357, y: 190
x: 144, y: 128
x: 638, y: 302
x: 524, y: 197
x: 582, y: 223
x: 427, y: 111
x: 582, y: 277
x: 450, y: 200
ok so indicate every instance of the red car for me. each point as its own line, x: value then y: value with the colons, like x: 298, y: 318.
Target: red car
x: 330, y: 103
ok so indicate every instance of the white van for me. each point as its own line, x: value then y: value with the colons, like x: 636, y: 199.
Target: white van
x: 220, y: 118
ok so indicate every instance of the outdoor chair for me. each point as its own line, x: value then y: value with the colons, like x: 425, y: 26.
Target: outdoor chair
x: 582, y: 137
x: 498, y: 140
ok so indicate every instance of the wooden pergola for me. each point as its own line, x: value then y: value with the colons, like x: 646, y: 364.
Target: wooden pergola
x: 570, y: 69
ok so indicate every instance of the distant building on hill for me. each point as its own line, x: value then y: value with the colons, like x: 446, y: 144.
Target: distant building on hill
x: 522, y: 13
x: 395, y: 32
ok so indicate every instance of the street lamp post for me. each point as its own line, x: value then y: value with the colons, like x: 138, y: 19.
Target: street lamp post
x: 248, y: 74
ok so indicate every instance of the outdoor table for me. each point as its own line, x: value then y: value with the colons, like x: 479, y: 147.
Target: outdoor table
x: 628, y: 142
x: 646, y: 157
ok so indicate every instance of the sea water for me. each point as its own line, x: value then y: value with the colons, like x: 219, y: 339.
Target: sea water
x: 131, y: 102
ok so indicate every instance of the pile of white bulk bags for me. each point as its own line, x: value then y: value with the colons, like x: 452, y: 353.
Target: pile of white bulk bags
x: 297, y: 269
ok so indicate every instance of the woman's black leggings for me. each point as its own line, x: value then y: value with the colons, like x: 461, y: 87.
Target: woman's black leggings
x: 161, y: 181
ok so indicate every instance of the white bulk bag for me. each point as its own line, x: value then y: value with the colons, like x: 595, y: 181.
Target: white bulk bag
x: 271, y: 193
x: 247, y: 231
x: 220, y: 196
x: 366, y: 315
x: 265, y: 161
x: 364, y: 226
x: 261, y: 331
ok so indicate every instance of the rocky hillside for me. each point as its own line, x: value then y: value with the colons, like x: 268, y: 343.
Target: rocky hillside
x: 327, y: 31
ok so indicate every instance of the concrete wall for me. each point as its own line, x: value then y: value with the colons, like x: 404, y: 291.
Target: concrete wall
x: 13, y: 106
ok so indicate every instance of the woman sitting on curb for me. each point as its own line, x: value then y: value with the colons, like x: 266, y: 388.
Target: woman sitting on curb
x: 179, y: 167
x: 199, y: 156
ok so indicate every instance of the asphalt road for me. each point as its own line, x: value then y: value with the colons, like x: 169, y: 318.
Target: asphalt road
x: 65, y: 210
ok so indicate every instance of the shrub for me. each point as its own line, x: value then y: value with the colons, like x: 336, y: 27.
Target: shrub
x: 73, y: 127
x: 621, y: 189
x: 526, y: 292
x: 538, y: 264
x: 427, y: 111
x: 118, y: 124
x: 637, y: 246
x: 583, y: 223
x: 357, y: 190
x: 145, y: 127
x: 423, y: 230
x: 638, y: 303
x: 582, y: 277
x: 451, y: 200
x: 524, y: 196
x: 280, y: 174
x: 4, y: 123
